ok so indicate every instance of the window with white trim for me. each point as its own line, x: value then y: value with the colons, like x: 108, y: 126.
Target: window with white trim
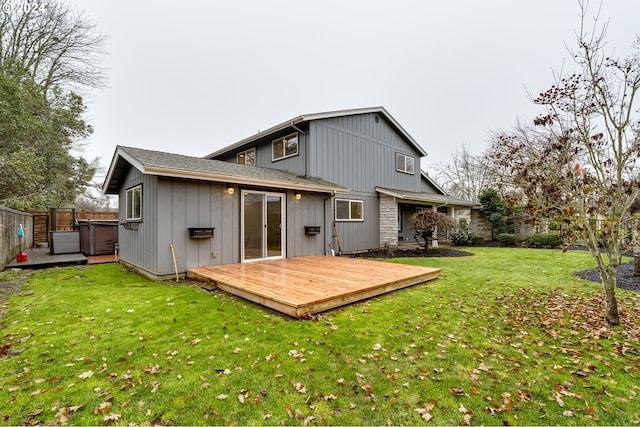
x: 349, y: 210
x: 247, y: 157
x: 284, y: 147
x: 405, y: 164
x: 134, y: 203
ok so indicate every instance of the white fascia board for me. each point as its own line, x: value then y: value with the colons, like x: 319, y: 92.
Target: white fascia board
x: 230, y: 179
x: 114, y: 162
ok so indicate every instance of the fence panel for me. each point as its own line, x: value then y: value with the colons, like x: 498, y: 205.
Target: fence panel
x: 10, y: 243
x: 64, y: 221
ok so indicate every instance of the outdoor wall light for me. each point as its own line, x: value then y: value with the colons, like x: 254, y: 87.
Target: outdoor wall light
x: 298, y: 196
x: 230, y: 189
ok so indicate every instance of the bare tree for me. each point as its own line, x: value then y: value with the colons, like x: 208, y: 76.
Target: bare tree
x: 56, y: 45
x: 465, y: 175
x: 580, y: 165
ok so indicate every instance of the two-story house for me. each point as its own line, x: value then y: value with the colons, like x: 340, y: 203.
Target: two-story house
x: 323, y: 183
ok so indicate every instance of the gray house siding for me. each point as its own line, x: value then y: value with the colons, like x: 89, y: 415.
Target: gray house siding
x: 308, y: 211
x: 355, y: 151
x: 138, y: 241
x: 357, y: 236
x: 427, y: 187
x: 171, y: 206
x: 185, y: 204
x: 264, y: 154
x: 359, y: 153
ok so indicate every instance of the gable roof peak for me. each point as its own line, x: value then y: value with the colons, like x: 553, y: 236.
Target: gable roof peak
x: 292, y: 123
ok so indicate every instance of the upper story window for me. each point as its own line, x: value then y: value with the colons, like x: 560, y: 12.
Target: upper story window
x: 405, y: 164
x: 349, y: 210
x: 134, y: 203
x: 247, y: 157
x: 285, y: 147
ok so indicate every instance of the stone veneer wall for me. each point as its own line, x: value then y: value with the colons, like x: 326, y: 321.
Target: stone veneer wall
x: 480, y: 225
x: 388, y: 208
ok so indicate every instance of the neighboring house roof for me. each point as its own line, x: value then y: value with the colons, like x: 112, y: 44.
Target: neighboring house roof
x: 431, y: 198
x: 319, y: 116
x: 179, y: 166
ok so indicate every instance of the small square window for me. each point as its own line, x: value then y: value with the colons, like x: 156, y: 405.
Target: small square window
x: 285, y: 147
x: 247, y: 157
x: 134, y: 203
x: 405, y: 164
x: 349, y: 210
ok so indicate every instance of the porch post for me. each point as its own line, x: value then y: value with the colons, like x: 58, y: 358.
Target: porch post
x: 434, y: 240
x: 388, y: 207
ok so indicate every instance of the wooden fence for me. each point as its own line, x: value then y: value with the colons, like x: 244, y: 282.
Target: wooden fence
x: 42, y: 221
x: 10, y: 243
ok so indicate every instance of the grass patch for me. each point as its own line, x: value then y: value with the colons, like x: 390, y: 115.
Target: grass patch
x: 508, y: 336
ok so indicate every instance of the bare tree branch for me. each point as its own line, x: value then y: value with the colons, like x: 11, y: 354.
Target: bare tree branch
x: 58, y: 46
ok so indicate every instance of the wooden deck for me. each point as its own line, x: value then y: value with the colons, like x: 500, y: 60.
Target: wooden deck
x: 307, y: 285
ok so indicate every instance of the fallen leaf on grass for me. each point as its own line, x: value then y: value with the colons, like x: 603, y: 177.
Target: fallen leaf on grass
x: 299, y: 387
x: 87, y: 374
x: 112, y: 417
x: 62, y: 414
x: 456, y: 391
x: 103, y: 407
x: 425, y: 411
x: 467, y: 415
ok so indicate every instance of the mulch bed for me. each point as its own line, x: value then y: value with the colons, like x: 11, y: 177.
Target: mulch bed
x: 626, y: 279
x: 411, y: 253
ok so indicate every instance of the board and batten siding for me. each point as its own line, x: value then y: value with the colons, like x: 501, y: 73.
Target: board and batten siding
x: 356, y: 236
x: 308, y: 211
x: 359, y: 153
x: 264, y: 155
x: 427, y: 187
x: 171, y: 206
x: 184, y: 204
x: 138, y: 244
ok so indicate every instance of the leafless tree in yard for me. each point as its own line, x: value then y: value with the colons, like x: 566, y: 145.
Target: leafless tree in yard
x: 55, y: 44
x: 465, y: 175
x: 579, y: 163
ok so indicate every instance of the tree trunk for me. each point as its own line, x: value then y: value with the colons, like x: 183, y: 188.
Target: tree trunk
x: 609, y: 284
x: 636, y: 260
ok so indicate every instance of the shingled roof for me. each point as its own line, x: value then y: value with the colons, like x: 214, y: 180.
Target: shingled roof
x: 422, y: 197
x: 179, y: 166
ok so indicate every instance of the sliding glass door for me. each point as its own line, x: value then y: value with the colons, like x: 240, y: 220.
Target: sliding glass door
x: 263, y: 225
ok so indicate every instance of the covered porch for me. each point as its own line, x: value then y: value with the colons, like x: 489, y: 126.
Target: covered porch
x: 397, y: 206
x: 306, y: 285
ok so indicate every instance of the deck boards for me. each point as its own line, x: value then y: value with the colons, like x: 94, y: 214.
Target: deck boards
x: 308, y: 285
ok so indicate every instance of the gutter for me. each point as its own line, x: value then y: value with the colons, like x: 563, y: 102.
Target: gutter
x: 239, y: 180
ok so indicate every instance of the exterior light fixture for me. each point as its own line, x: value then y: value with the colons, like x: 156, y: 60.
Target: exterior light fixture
x: 298, y: 196
x: 230, y: 189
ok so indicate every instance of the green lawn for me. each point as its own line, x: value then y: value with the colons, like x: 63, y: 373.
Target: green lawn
x: 507, y: 336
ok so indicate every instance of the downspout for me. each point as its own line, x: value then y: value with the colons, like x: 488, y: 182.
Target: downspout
x: 324, y: 220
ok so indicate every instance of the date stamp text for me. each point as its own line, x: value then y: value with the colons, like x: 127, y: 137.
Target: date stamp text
x: 16, y: 6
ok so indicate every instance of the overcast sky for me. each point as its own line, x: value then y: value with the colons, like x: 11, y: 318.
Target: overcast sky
x: 191, y: 76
